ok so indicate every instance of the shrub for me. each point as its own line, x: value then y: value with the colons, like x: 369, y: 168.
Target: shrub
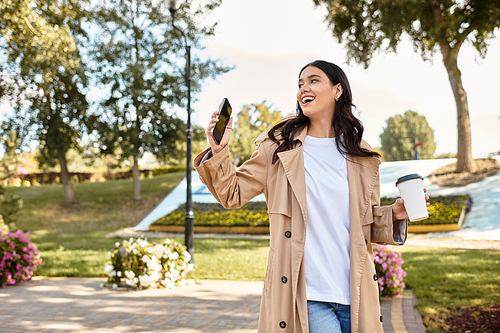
x: 141, y: 265
x: 389, y: 271
x: 19, y: 258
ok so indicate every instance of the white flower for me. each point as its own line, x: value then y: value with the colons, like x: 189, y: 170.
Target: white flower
x: 144, y: 280
x: 109, y: 253
x: 108, y: 268
x: 173, y: 256
x: 131, y: 240
x: 119, y: 273
x: 190, y: 267
x: 169, y: 284
x: 117, y: 244
x: 183, y: 274
x: 150, y: 250
x: 144, y: 243
x: 145, y: 258
x: 134, y: 251
x: 167, y: 241
x: 129, y: 274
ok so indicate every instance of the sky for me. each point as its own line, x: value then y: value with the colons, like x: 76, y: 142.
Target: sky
x: 268, y: 42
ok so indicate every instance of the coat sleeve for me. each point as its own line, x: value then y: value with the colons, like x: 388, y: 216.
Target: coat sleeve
x: 385, y: 230
x: 230, y: 186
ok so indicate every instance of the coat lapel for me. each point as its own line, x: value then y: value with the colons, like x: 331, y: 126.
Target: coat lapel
x: 293, y: 164
x: 362, y: 174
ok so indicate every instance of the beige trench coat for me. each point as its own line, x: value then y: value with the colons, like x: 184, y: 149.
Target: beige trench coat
x: 284, y: 302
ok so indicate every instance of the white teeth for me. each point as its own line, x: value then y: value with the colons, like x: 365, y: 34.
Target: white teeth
x: 307, y: 99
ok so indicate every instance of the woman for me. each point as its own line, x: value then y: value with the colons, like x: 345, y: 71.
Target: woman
x: 321, y: 184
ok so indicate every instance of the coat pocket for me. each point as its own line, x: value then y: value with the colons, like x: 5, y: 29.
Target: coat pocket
x: 367, y: 226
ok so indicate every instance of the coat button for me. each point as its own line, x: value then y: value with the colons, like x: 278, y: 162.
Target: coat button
x: 284, y: 279
x: 288, y: 234
x: 375, y: 277
x: 381, y: 319
x: 282, y: 324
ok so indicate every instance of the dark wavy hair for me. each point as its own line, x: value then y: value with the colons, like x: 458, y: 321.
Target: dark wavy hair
x: 344, y: 122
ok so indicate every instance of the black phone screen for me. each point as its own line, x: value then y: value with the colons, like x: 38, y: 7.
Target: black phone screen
x: 224, y: 115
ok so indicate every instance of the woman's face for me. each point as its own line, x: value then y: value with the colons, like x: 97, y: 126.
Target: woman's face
x: 316, y: 95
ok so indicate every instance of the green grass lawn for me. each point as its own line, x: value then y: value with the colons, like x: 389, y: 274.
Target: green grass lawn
x: 72, y: 239
x: 443, y: 279
x: 72, y: 242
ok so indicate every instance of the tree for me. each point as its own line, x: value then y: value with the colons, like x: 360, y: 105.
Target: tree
x: 9, y: 204
x: 137, y: 53
x: 371, y: 25
x: 43, y: 76
x: 401, y: 134
x: 252, y: 120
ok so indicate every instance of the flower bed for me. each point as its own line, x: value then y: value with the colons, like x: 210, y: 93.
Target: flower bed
x: 19, y: 258
x: 389, y: 271
x: 444, y: 210
x: 213, y: 214
x: 139, y: 264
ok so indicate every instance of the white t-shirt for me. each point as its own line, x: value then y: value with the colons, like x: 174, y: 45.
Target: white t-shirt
x: 326, y: 254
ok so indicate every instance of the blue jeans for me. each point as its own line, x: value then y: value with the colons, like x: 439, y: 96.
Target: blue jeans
x: 328, y: 317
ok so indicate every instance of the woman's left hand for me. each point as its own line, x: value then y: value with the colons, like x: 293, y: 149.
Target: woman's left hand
x: 399, y: 210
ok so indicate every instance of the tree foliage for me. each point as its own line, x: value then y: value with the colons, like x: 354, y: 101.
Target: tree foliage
x: 9, y: 203
x: 252, y: 120
x: 138, y: 58
x: 367, y: 26
x: 43, y: 76
x: 398, y: 137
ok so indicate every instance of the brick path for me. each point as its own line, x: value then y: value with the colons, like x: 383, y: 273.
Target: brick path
x: 80, y: 305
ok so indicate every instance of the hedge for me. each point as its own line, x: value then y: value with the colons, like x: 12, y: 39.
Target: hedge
x: 443, y: 210
x: 38, y: 178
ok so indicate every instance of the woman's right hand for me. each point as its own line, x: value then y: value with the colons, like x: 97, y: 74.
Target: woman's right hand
x: 225, y: 138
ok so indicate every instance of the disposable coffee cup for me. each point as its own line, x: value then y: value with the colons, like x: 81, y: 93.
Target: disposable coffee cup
x: 411, y: 188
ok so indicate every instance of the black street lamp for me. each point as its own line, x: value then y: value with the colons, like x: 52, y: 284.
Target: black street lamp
x: 189, y: 215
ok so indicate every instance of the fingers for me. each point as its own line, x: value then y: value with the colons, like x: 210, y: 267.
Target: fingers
x: 230, y: 124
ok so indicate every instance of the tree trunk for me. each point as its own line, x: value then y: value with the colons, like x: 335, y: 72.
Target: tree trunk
x: 137, y: 181
x: 465, y: 162
x: 66, y: 180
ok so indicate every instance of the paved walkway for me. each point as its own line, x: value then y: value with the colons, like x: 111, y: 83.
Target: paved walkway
x: 81, y: 305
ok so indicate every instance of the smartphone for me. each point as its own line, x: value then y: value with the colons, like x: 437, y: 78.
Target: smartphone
x: 225, y: 111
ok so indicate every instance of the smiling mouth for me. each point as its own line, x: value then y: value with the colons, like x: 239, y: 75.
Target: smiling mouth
x: 307, y: 100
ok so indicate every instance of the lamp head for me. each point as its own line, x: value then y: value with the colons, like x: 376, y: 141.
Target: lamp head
x: 171, y: 7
